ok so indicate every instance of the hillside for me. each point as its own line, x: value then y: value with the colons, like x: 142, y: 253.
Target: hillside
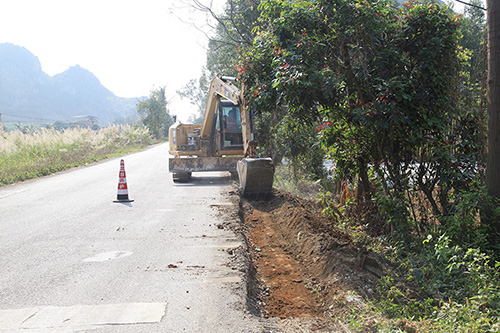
x: 26, y: 91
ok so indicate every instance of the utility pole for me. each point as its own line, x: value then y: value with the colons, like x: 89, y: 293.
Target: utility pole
x: 493, y: 97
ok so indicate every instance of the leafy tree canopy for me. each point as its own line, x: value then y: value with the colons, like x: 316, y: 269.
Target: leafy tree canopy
x: 384, y: 77
x: 154, y: 113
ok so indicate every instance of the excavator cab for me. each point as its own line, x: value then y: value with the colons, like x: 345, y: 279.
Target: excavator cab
x: 228, y: 124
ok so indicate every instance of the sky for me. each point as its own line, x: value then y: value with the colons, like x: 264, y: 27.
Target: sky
x: 131, y: 46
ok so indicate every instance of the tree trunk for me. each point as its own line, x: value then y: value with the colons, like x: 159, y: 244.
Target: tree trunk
x: 363, y: 193
x: 493, y: 97
x: 294, y: 169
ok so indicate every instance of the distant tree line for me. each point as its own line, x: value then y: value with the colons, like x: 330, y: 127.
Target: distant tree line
x: 154, y: 113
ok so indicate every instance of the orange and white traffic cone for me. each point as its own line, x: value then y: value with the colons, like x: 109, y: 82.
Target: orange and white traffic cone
x: 122, y: 185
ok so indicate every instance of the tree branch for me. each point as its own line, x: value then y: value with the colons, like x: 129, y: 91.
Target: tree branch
x: 470, y: 4
x: 209, y: 10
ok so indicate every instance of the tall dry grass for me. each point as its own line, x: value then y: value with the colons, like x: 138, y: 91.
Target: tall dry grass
x: 39, y: 152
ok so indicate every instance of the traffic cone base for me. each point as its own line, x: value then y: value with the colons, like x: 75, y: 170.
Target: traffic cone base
x: 123, y: 199
x: 122, y: 195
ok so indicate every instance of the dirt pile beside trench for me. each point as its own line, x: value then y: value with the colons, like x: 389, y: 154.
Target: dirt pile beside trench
x: 306, y: 266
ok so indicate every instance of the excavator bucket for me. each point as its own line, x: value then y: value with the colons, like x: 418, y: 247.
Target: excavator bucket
x: 256, y: 176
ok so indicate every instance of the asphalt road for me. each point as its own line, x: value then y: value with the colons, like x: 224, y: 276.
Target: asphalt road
x: 73, y: 260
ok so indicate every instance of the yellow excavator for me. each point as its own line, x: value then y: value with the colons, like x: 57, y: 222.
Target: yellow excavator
x: 223, y: 142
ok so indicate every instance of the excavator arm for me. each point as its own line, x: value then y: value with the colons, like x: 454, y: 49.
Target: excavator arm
x: 223, y: 87
x: 219, y: 87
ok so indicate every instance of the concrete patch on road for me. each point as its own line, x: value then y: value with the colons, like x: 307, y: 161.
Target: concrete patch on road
x: 108, y: 256
x: 225, y: 279
x: 81, y: 315
x: 222, y: 246
x: 228, y: 244
x: 222, y: 204
x: 12, y: 319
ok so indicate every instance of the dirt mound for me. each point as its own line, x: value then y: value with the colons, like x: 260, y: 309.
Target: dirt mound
x: 307, y: 266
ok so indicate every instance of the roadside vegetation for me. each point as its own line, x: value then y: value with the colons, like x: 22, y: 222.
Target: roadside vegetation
x: 395, y: 96
x: 32, y: 153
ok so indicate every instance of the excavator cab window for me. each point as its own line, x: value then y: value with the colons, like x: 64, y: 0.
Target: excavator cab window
x: 230, y: 125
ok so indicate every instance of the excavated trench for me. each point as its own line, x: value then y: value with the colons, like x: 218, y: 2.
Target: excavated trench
x: 299, y: 267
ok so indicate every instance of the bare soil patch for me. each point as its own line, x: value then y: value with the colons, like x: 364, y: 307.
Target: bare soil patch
x: 281, y: 274
x: 309, y: 271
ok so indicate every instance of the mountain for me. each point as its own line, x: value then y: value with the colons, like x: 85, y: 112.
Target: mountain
x: 26, y: 91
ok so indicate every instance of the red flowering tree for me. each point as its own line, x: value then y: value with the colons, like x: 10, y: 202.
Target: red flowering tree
x: 385, y: 78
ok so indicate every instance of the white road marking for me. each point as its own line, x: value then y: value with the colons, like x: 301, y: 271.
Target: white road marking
x: 12, y: 319
x: 7, y: 193
x: 108, y: 256
x: 81, y: 315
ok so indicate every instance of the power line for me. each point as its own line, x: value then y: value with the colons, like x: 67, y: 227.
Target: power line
x: 26, y: 117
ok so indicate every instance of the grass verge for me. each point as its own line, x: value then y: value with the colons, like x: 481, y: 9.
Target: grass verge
x: 40, y: 152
